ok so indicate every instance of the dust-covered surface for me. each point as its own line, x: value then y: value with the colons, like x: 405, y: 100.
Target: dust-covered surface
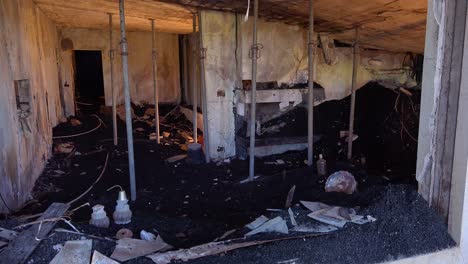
x: 189, y: 205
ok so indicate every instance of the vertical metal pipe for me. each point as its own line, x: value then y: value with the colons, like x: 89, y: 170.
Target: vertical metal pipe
x: 155, y: 89
x: 114, y: 92
x: 194, y: 79
x: 353, y: 95
x: 310, y: 119
x: 128, y: 110
x: 204, y: 99
x: 253, y: 101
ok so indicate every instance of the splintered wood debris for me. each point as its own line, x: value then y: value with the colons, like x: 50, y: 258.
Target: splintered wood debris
x: 129, y: 248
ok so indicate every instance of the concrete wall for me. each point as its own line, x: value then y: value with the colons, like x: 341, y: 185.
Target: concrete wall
x: 28, y: 47
x: 283, y: 59
x: 219, y: 37
x: 140, y: 64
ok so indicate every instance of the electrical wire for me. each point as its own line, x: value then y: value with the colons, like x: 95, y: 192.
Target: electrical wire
x: 4, y: 203
x: 83, y: 133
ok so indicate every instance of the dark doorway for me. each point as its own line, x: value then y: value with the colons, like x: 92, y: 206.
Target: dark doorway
x: 89, y: 80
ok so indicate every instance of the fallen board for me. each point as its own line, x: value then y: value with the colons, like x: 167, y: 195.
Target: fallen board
x: 20, y: 248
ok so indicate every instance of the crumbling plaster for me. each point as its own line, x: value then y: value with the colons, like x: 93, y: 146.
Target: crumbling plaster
x: 28, y: 50
x: 140, y: 64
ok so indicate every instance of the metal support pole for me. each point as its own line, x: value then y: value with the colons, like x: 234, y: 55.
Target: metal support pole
x: 114, y: 92
x: 353, y: 95
x: 128, y: 110
x: 254, y: 53
x: 206, y: 141
x: 310, y: 119
x: 155, y: 89
x: 194, y: 73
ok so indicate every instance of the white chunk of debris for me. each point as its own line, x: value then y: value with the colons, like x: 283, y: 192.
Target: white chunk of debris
x: 99, y: 258
x: 147, y: 235
x: 57, y: 247
x: 74, y: 252
x: 129, y: 248
x: 341, y: 181
x: 291, y: 217
x: 315, y: 229
x: 277, y: 225
x: 257, y: 222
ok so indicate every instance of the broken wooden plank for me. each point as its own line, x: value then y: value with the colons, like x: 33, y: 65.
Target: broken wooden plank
x: 7, y: 234
x: 74, y: 252
x: 129, y: 248
x: 20, y: 248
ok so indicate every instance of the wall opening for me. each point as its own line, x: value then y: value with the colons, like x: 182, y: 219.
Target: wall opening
x: 89, y: 81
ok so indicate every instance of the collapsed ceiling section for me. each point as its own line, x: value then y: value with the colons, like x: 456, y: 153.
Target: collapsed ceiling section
x: 395, y: 25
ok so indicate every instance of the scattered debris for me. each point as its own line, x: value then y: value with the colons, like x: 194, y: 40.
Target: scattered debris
x: 124, y: 233
x: 292, y: 261
x: 187, y: 137
x: 176, y: 158
x: 321, y: 166
x: 121, y: 112
x: 20, y: 248
x: 344, y: 134
x: 341, y: 181
x: 75, y: 122
x: 212, y: 248
x: 129, y: 248
x: 315, y: 229
x: 74, y: 252
x: 166, y: 134
x: 147, y: 236
x: 314, y: 206
x: 153, y: 136
x: 228, y: 233
x: 290, y: 197
x: 277, y: 225
x: 291, y: 216
x: 99, y: 217
x: 99, y: 258
x: 257, y: 222
x: 57, y: 247
x: 7, y: 234
x: 64, y: 148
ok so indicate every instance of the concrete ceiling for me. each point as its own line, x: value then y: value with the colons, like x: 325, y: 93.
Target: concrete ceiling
x: 396, y: 25
x: 93, y: 14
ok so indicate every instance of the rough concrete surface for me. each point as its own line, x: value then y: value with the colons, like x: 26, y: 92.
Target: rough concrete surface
x: 28, y: 42
x: 140, y: 63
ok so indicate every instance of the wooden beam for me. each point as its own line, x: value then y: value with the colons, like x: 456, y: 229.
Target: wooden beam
x: 20, y: 248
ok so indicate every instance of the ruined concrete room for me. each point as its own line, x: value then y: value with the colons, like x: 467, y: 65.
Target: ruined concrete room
x: 253, y: 131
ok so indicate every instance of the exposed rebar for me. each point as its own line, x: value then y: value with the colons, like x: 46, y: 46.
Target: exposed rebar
x: 310, y: 115
x: 128, y: 109
x: 353, y: 94
x: 194, y: 79
x: 155, y: 88
x: 253, y: 101
x: 114, y: 92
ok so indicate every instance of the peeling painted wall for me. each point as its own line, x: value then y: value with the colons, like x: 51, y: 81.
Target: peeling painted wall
x: 28, y: 50
x: 284, y: 59
x: 140, y: 64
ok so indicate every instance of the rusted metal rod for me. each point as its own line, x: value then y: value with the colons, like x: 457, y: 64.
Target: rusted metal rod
x: 310, y: 116
x: 206, y: 141
x: 194, y: 79
x: 254, y: 54
x: 128, y: 109
x: 155, y: 88
x: 353, y: 94
x: 114, y: 92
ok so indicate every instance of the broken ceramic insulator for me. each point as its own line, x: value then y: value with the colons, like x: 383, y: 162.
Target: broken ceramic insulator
x: 99, y: 217
x: 341, y: 181
x: 122, y: 214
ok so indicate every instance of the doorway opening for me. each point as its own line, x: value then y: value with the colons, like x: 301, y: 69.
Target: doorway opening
x: 89, y: 80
